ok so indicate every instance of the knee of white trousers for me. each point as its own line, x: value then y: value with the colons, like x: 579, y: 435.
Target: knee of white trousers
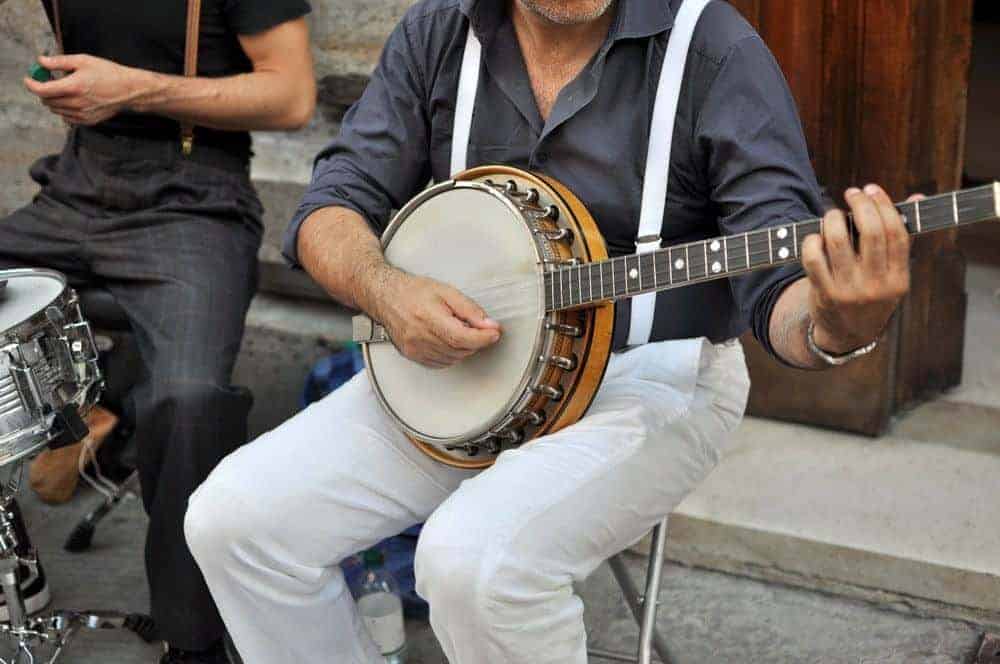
x: 216, y: 526
x: 488, y: 596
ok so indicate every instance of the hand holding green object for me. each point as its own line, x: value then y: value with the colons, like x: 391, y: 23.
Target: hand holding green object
x: 39, y: 73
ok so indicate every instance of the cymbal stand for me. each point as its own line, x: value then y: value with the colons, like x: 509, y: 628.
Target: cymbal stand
x: 51, y: 630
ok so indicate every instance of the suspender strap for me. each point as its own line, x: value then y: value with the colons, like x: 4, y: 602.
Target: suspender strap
x: 57, y: 26
x: 190, y: 56
x: 661, y: 133
x: 657, y: 175
x: 190, y: 65
x: 465, y: 100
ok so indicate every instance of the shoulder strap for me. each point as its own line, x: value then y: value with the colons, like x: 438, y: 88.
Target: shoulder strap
x: 190, y: 65
x: 465, y: 100
x: 57, y: 26
x: 657, y: 175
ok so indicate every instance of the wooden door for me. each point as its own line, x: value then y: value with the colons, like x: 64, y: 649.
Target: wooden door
x: 881, y: 87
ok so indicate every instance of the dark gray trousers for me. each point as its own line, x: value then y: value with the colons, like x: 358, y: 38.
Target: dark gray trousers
x: 175, y: 240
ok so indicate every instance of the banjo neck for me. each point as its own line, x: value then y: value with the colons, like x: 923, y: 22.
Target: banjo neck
x: 617, y: 278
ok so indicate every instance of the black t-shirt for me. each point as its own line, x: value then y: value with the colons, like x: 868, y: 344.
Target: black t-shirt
x: 150, y: 35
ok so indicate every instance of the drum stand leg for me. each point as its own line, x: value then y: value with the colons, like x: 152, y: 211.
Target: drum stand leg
x: 54, y: 629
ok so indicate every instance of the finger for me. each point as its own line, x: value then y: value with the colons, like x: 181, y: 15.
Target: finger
x: 62, y: 62
x: 460, y: 336
x: 815, y: 263
x: 897, y: 239
x: 58, y: 88
x: 915, y: 197
x: 468, y: 310
x: 871, y: 231
x: 837, y: 244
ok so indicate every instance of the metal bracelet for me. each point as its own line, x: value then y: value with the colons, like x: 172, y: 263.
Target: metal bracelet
x: 835, y: 360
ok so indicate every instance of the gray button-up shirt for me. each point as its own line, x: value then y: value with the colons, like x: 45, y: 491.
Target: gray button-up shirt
x: 739, y: 160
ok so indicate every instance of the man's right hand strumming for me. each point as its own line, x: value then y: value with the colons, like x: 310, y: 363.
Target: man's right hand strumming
x: 429, y: 322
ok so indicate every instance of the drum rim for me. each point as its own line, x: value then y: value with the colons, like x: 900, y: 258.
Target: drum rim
x: 502, y: 414
x: 33, y: 272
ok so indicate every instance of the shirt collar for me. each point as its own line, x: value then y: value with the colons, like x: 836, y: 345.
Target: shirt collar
x: 636, y: 18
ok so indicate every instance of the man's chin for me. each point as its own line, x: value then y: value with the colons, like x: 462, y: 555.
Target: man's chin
x: 567, y: 12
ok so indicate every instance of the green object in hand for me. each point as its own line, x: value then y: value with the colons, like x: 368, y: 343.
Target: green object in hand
x: 39, y: 73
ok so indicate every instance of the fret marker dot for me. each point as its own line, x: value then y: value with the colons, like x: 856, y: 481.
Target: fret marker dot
x: 783, y: 253
x: 716, y: 267
x: 715, y: 246
x: 633, y: 273
x: 782, y: 233
x: 679, y: 263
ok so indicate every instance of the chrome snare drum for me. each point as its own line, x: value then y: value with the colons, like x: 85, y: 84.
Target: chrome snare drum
x: 49, y: 378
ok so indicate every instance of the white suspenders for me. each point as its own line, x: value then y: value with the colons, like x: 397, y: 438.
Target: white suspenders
x: 654, y: 191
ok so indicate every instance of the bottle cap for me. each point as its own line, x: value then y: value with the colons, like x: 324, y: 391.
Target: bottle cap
x: 39, y: 73
x: 373, y: 558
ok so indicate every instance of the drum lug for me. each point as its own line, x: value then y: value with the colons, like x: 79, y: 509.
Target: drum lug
x: 553, y: 393
x: 562, y: 328
x: 535, y: 417
x: 567, y: 262
x: 550, y: 213
x: 563, y: 362
x: 513, y: 436
x: 556, y: 236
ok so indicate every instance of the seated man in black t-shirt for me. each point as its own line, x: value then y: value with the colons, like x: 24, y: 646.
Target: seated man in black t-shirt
x: 174, y: 237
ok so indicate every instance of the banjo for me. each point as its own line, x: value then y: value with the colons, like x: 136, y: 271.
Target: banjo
x: 527, y: 251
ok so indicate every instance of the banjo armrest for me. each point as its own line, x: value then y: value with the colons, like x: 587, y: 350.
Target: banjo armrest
x: 365, y: 330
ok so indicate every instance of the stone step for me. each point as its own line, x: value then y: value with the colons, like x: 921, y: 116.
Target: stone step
x: 908, y: 520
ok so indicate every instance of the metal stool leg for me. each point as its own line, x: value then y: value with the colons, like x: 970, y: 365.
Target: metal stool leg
x: 643, y: 606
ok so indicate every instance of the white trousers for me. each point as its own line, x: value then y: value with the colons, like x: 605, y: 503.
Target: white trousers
x: 501, y: 548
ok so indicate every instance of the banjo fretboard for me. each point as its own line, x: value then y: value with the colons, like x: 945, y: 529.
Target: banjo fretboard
x: 718, y: 258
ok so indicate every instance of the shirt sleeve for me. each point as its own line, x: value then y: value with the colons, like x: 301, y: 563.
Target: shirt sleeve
x: 758, y: 167
x: 380, y: 158
x: 248, y: 17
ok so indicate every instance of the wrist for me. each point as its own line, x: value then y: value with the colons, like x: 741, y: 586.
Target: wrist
x: 143, y: 88
x: 835, y: 344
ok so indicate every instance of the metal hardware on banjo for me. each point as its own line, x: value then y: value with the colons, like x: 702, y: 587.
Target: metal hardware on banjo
x: 49, y: 377
x: 526, y: 249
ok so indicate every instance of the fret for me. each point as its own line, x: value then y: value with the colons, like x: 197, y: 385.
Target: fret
x: 725, y: 253
x: 795, y: 239
x: 656, y: 282
x: 954, y: 206
x: 780, y: 244
x: 746, y: 246
x: 704, y: 251
x: 601, y: 275
x: 562, y: 301
x: 631, y: 274
x: 736, y: 250
x: 613, y: 293
x: 678, y: 266
x: 687, y: 262
x: 552, y: 281
x: 916, y: 206
x: 770, y: 248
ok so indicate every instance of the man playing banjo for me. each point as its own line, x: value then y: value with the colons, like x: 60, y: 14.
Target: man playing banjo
x: 571, y: 89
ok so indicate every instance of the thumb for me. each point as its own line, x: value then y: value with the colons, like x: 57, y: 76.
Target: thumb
x: 61, y: 62
x: 466, y: 309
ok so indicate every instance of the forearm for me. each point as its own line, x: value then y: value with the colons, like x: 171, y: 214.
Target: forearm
x: 259, y: 100
x: 789, y: 325
x: 338, y: 249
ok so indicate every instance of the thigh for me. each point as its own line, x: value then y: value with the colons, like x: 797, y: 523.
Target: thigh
x: 44, y: 234
x: 334, y: 479
x: 185, y: 280
x: 572, y: 499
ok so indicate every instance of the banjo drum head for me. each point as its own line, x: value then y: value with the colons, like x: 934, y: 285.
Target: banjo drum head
x: 27, y: 293
x: 475, y: 240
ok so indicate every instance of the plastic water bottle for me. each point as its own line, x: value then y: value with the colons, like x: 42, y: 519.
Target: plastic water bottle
x: 381, y: 608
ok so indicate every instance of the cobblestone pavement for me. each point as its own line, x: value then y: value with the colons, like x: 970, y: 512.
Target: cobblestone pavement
x: 707, y: 616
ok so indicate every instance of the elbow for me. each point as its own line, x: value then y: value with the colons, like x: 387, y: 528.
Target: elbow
x: 299, y: 113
